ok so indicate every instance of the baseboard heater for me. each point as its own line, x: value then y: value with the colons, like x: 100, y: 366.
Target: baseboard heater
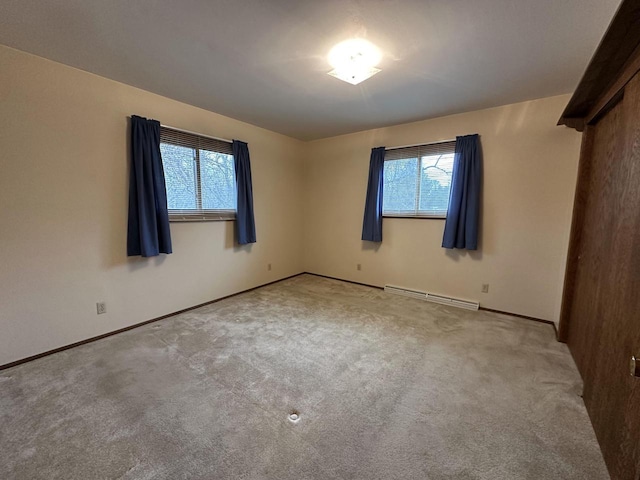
x: 432, y: 297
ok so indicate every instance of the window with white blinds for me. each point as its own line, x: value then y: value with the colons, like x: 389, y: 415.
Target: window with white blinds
x: 417, y: 180
x: 200, y: 176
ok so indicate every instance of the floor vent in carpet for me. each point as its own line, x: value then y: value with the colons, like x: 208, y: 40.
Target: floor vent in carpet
x: 294, y: 417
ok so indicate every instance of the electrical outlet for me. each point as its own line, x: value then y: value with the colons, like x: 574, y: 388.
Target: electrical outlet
x: 485, y: 288
x: 101, y: 307
x: 358, y: 267
x: 269, y: 266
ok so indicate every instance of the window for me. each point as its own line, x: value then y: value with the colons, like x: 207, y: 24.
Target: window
x: 200, y: 176
x: 417, y: 180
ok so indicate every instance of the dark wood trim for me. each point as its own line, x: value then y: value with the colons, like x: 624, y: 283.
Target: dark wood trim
x: 615, y: 54
x: 575, y: 123
x: 618, y: 57
x: 136, y: 325
x: 534, y: 319
x: 575, y: 238
x: 598, y: 318
x: 519, y: 315
x: 604, y: 105
x: 615, y: 92
x: 343, y: 280
x: 131, y: 327
x: 526, y: 317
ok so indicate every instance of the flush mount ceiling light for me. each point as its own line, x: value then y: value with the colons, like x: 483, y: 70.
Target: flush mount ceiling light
x: 354, y: 60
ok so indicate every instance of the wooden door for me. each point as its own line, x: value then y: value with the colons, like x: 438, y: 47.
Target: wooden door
x: 604, y: 326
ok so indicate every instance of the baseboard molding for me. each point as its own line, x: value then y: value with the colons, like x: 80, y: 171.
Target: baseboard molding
x: 343, y: 280
x: 533, y: 319
x: 136, y: 325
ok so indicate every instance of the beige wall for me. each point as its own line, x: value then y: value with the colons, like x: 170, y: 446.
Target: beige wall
x: 63, y: 192
x: 530, y: 168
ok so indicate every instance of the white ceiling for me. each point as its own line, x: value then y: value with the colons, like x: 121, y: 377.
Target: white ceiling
x: 264, y: 62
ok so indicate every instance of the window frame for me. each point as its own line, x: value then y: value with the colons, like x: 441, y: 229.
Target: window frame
x: 197, y: 142
x: 418, y: 152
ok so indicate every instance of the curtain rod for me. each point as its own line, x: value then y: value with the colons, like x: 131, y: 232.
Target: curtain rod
x: 420, y: 144
x: 195, y: 133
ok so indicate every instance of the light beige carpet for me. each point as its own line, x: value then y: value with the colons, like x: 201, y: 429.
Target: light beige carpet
x: 386, y: 388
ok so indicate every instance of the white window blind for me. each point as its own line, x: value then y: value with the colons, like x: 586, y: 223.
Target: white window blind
x: 417, y: 180
x: 199, y: 175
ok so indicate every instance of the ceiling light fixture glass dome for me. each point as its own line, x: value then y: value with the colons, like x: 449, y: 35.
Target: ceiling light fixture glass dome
x: 354, y: 60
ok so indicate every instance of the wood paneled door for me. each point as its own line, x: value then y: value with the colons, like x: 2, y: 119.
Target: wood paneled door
x: 600, y: 317
x: 604, y: 328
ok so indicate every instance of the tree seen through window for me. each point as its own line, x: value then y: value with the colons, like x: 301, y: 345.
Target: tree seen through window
x: 418, y: 186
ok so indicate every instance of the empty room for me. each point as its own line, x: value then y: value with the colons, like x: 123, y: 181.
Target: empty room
x: 320, y: 239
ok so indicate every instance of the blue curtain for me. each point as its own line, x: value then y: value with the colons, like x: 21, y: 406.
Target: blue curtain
x: 148, y: 233
x: 245, y: 224
x: 372, y: 223
x: 461, y: 227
